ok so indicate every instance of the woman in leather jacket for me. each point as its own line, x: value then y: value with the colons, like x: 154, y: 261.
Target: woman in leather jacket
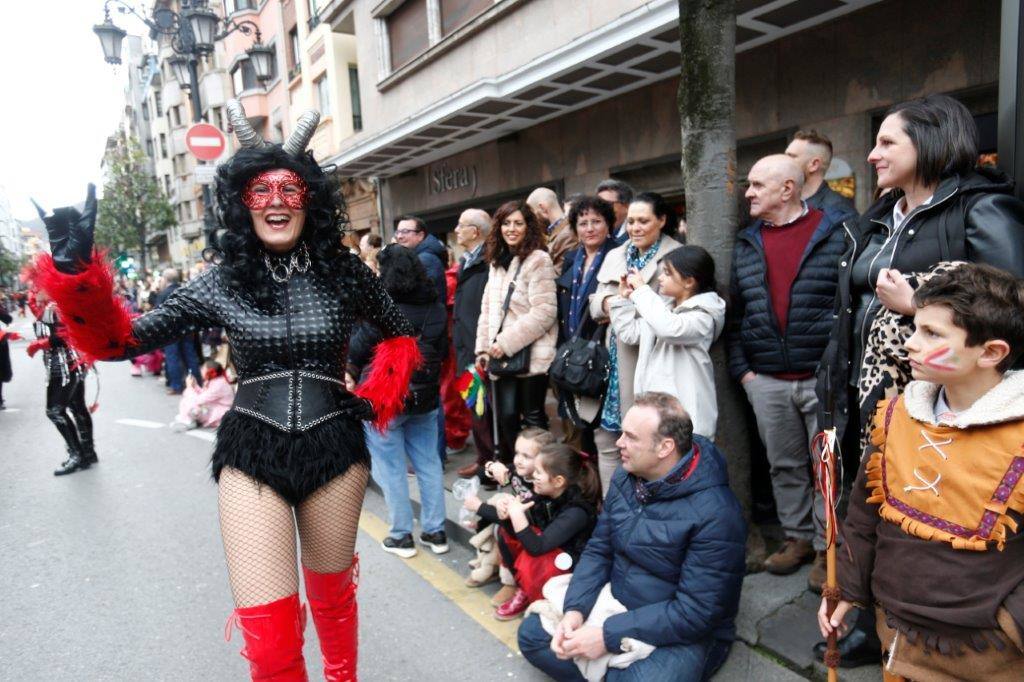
x: 937, y: 208
x: 290, y: 455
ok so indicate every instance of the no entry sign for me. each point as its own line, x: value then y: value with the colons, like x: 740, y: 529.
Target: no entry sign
x: 205, y: 141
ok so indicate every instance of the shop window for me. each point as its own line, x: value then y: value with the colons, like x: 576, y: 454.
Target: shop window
x: 407, y: 31
x: 353, y: 88
x: 455, y: 13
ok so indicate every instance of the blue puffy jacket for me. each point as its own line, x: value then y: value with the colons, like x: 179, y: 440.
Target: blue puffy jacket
x: 753, y: 338
x: 676, y: 563
x: 433, y: 255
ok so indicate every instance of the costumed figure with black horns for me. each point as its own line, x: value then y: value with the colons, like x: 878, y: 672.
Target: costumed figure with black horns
x: 65, y: 381
x: 290, y: 456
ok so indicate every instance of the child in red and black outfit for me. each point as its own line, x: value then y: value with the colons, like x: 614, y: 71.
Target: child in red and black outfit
x: 933, y: 539
x: 550, y: 531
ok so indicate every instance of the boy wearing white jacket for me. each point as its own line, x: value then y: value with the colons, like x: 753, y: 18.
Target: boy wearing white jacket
x: 674, y: 332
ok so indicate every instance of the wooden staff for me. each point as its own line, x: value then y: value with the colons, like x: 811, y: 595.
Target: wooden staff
x: 824, y: 451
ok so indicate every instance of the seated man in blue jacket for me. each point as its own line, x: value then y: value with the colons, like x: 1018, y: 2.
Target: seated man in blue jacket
x: 671, y: 541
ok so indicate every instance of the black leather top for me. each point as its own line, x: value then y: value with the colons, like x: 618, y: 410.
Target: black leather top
x: 306, y: 327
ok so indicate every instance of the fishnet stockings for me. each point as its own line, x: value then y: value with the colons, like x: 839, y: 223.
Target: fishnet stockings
x: 329, y: 521
x: 258, y: 529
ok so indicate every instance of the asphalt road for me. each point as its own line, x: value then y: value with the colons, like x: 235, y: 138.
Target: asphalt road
x: 117, y: 573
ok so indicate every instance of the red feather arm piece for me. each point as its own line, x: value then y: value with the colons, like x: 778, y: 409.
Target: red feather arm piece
x: 37, y: 345
x: 387, y: 385
x: 96, y: 323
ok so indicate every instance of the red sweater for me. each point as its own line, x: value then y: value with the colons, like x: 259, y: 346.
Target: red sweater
x: 784, y: 247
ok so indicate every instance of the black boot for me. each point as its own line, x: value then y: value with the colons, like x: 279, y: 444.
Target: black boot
x: 860, y: 646
x: 88, y: 456
x: 72, y: 464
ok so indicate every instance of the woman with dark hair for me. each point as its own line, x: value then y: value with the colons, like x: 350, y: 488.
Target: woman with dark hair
x: 937, y: 208
x: 291, y: 451
x: 412, y: 434
x: 674, y: 329
x: 592, y: 219
x: 519, y: 310
x: 651, y: 225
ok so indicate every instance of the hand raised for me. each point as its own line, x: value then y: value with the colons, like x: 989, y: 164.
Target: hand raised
x: 71, y: 233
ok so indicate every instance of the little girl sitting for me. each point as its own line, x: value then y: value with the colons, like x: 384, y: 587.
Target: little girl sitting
x: 674, y: 331
x: 205, y: 405
x: 549, y: 540
x: 495, y: 509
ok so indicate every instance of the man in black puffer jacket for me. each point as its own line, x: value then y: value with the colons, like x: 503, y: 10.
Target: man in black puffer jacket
x: 785, y: 268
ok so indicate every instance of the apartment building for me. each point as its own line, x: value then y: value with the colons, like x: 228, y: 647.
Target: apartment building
x: 471, y: 102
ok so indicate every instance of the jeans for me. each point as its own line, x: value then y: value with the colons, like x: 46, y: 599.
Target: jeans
x: 414, y: 437
x: 677, y: 663
x: 176, y: 354
x: 442, y: 452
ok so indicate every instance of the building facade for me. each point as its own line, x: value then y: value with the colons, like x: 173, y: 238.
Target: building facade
x: 471, y: 102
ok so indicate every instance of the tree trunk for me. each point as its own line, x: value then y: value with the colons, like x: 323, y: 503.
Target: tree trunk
x: 707, y: 104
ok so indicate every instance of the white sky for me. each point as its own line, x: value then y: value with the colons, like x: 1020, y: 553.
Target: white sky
x: 60, y: 99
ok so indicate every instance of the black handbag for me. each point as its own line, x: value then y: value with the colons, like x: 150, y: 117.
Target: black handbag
x: 518, y: 363
x: 582, y: 366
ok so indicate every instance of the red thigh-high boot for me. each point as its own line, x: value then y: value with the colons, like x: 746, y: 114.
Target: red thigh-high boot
x: 273, y: 639
x: 332, y: 601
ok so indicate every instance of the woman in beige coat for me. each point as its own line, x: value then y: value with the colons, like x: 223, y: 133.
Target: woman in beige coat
x: 518, y: 258
x: 650, y: 224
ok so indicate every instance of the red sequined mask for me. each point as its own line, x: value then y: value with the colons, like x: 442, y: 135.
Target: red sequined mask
x: 280, y: 182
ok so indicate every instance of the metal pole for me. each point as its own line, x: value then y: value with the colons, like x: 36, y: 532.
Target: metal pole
x: 209, y: 224
x: 1011, y: 93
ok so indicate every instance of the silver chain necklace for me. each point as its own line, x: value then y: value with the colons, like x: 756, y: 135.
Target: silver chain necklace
x: 282, y: 270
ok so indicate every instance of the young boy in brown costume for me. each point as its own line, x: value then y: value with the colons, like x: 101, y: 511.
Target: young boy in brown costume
x: 932, y: 539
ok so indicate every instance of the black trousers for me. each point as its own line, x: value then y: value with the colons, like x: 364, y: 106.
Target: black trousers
x: 65, y: 407
x: 520, y: 402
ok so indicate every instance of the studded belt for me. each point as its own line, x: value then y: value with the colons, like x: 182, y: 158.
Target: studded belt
x: 292, y: 400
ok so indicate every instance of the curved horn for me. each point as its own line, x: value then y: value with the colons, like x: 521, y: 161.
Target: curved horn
x: 303, y: 133
x: 247, y: 137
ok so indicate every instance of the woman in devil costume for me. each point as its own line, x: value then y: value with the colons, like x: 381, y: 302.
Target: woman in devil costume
x: 65, y: 387
x: 291, y: 453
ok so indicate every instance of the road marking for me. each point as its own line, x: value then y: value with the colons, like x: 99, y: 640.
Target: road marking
x: 144, y: 423
x: 203, y: 435
x: 474, y: 602
x: 10, y: 409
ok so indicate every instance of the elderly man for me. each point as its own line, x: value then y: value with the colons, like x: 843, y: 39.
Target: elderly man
x: 812, y: 152
x: 785, y: 268
x: 182, y: 353
x: 561, y: 238
x: 411, y: 232
x: 670, y: 541
x: 471, y: 233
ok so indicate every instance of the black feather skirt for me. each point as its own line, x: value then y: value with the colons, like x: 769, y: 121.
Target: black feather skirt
x: 294, y: 465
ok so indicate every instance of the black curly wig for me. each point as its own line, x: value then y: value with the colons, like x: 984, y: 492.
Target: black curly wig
x: 404, y: 276
x: 240, y: 250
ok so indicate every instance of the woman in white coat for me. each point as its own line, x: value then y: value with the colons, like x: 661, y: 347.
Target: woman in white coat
x: 651, y: 224
x: 520, y: 263
x: 674, y: 330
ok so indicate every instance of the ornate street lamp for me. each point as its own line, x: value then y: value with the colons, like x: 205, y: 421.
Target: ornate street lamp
x: 110, y: 38
x: 204, y: 21
x: 262, y: 59
x: 179, y: 67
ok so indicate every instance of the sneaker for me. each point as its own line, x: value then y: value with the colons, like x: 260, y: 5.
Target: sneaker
x: 180, y: 426
x: 503, y: 595
x: 793, y: 554
x: 816, y: 578
x: 403, y: 546
x: 514, y: 607
x: 438, y: 542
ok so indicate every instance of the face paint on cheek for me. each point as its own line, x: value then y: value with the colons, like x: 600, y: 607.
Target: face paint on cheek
x: 275, y: 181
x: 943, y: 359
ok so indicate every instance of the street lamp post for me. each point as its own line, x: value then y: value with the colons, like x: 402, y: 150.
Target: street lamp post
x: 193, y: 33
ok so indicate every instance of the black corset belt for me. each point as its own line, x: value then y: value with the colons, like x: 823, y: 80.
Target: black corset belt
x: 291, y: 400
